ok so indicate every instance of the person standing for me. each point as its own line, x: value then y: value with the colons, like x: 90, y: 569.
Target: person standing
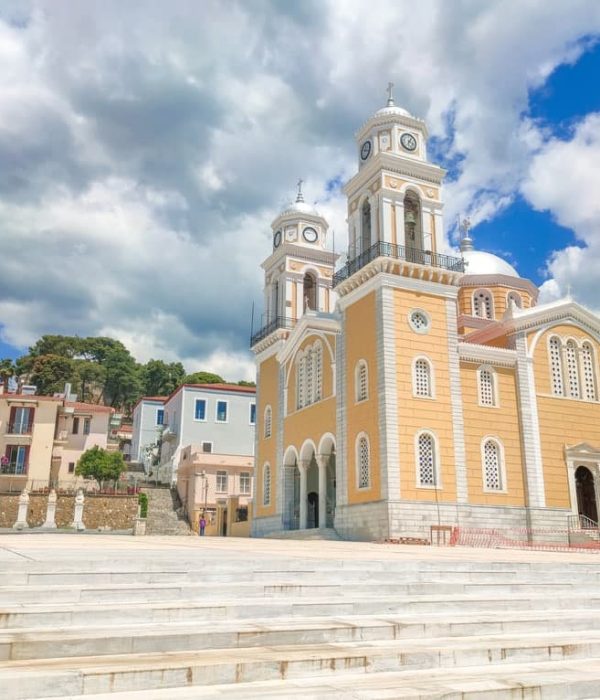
x: 202, y: 525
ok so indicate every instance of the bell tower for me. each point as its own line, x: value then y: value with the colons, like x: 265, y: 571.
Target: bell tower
x: 395, y: 196
x: 299, y: 270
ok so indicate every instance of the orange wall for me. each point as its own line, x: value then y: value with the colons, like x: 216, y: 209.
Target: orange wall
x: 499, y: 421
x: 421, y: 413
x: 563, y: 421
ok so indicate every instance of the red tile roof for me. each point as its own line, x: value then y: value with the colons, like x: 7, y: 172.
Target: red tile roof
x: 223, y: 387
x: 92, y: 407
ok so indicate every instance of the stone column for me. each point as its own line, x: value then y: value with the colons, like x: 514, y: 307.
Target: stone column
x: 51, y: 511
x: 303, y: 496
x: 21, y: 523
x: 322, y: 464
x: 77, y: 523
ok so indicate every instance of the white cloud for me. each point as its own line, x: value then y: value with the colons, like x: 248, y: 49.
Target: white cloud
x: 146, y: 148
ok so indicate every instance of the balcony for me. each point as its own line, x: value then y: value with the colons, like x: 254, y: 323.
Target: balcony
x: 398, y: 252
x: 61, y: 437
x: 276, y: 323
x: 19, y: 428
x: 14, y: 469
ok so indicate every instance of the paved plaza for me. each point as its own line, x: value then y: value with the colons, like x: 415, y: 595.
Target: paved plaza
x: 101, y: 616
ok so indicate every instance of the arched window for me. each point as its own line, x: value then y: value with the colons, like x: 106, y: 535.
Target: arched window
x: 492, y: 465
x: 300, y: 381
x: 318, y: 370
x: 413, y: 234
x: 516, y: 298
x: 361, y: 380
x: 363, y: 461
x: 268, y: 421
x: 555, y: 346
x: 487, y: 386
x: 365, y: 227
x: 309, y: 375
x: 572, y: 369
x: 309, y: 287
x: 589, y: 375
x: 266, y: 485
x: 422, y: 380
x: 483, y: 305
x: 426, y: 460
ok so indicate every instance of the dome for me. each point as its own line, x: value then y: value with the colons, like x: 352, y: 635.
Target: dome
x: 299, y: 208
x: 392, y: 110
x: 482, y: 263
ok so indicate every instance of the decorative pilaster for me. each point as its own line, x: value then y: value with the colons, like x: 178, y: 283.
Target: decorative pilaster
x: 322, y: 464
x: 50, y: 522
x: 21, y: 523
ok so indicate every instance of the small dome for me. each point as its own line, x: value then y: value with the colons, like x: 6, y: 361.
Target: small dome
x: 482, y: 263
x: 300, y: 208
x: 392, y: 110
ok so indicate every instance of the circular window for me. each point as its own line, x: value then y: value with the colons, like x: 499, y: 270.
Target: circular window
x: 419, y: 321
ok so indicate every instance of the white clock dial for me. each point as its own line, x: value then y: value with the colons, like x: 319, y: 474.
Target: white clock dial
x: 408, y: 141
x: 310, y: 234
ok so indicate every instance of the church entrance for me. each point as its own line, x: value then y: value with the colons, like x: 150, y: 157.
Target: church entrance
x: 586, y: 494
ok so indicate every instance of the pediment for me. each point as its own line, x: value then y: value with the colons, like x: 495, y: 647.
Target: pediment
x: 582, y: 450
x: 311, y: 324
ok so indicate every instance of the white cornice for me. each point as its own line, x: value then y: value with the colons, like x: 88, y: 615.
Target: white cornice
x: 311, y: 321
x: 293, y: 250
x: 274, y: 338
x: 384, y: 118
x: 470, y: 352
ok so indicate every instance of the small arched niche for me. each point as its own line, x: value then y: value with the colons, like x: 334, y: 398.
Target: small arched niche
x: 309, y: 292
x: 413, y: 229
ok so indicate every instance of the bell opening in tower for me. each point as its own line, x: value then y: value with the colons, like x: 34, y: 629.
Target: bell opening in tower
x: 309, y: 292
x: 413, y: 233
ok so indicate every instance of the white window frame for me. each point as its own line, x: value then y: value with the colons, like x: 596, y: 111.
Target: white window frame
x: 249, y: 476
x: 582, y: 373
x: 502, y: 465
x: 362, y: 435
x: 423, y: 330
x: 207, y: 442
x: 266, y: 492
x: 250, y: 421
x: 431, y: 395
x: 492, y: 306
x: 268, y: 422
x: 437, y: 467
x: 220, y: 472
x: 357, y: 368
x: 201, y: 420
x: 518, y: 296
x: 563, y: 394
x: 217, y: 402
x: 158, y: 410
x: 495, y: 394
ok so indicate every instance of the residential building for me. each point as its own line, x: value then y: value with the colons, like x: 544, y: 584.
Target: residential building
x: 219, y: 418
x: 412, y: 389
x: 148, y: 419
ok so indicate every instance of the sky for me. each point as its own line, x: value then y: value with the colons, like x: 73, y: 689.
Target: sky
x: 145, y: 148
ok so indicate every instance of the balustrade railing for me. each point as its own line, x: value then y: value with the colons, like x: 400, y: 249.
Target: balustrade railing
x: 273, y: 325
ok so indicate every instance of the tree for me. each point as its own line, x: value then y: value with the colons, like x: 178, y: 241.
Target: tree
x: 50, y: 372
x: 159, y: 378
x: 7, y: 370
x: 97, y: 463
x: 203, y: 378
x: 243, y: 382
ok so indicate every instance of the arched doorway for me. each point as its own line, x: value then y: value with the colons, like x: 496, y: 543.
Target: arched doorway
x: 586, y: 494
x: 309, y: 287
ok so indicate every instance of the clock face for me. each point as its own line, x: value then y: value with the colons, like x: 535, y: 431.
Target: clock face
x: 310, y: 234
x: 365, y: 150
x: 276, y: 239
x: 408, y: 141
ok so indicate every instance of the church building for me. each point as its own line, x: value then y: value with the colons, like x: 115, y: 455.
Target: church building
x: 410, y: 388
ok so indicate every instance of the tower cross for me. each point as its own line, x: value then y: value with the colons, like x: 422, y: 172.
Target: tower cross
x: 390, y: 88
x: 300, y: 197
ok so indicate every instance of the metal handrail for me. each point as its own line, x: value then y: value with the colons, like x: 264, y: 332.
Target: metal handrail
x: 582, y: 522
x: 273, y: 325
x: 398, y: 252
x: 18, y: 428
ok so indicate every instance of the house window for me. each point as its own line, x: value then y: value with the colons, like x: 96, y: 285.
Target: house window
x: 17, y: 457
x: 75, y: 426
x: 492, y: 471
x: 364, y: 464
x: 572, y: 369
x: 482, y: 304
x: 221, y: 411
x: 245, y: 483
x: 422, y: 378
x: 71, y: 467
x: 252, y: 414
x: 268, y: 421
x: 21, y: 420
x: 362, y: 381
x: 160, y: 416
x: 221, y: 482
x: 486, y: 387
x: 589, y: 375
x: 558, y: 388
x: 266, y: 485
x: 200, y: 409
x: 426, y: 460
x: 207, y: 447
x: 87, y: 422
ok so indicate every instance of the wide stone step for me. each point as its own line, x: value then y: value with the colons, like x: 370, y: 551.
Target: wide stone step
x: 66, y: 614
x: 102, y: 593
x: 560, y: 680
x: 41, y: 643
x: 85, y: 675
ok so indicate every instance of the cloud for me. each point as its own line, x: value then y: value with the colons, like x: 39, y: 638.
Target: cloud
x: 145, y: 148
x: 564, y: 179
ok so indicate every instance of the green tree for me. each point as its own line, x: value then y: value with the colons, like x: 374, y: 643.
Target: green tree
x: 243, y: 382
x: 7, y: 370
x: 97, y: 463
x: 203, y: 378
x: 50, y: 372
x: 159, y: 378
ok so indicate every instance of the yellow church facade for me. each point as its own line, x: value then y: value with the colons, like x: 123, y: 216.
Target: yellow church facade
x: 411, y: 388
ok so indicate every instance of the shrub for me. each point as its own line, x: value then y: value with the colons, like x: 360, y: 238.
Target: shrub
x: 143, y: 502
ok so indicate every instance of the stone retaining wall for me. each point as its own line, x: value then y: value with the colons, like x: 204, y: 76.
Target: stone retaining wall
x: 9, y: 508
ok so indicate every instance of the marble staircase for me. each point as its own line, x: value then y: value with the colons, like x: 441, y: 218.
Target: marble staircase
x: 227, y: 620
x: 163, y: 518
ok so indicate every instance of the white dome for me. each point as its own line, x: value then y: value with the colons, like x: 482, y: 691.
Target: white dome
x: 300, y: 208
x: 481, y: 263
x: 392, y: 110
